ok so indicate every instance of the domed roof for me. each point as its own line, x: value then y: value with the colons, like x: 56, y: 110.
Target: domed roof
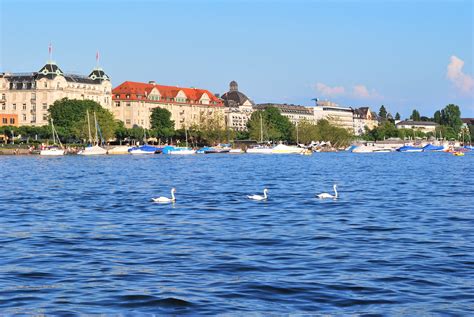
x: 234, y: 98
x: 99, y: 75
x: 50, y: 70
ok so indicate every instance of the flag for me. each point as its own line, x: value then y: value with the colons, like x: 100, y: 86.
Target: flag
x: 97, y: 56
x: 50, y: 50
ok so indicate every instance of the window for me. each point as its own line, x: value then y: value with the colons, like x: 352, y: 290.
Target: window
x: 24, y: 117
x: 33, y: 96
x: 14, y: 106
x: 128, y: 104
x: 24, y: 106
x: 3, y: 107
x: 3, y: 97
x: 12, y: 120
x: 45, y: 84
x: 33, y: 107
x: 45, y: 106
x: 45, y: 117
x: 117, y: 104
x: 4, y: 120
x: 127, y: 121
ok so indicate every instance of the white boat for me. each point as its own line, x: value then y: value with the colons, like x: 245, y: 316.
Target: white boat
x: 183, y: 150
x: 285, y: 149
x: 236, y: 151
x: 260, y: 150
x: 53, y: 150
x: 93, y: 149
x: 120, y: 149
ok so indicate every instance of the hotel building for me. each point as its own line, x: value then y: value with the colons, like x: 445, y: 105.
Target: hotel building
x: 294, y: 113
x: 133, y: 103
x: 238, y: 108
x: 29, y: 95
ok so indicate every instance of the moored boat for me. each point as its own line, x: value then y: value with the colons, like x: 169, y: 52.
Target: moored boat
x: 144, y: 149
x: 409, y: 148
x: 286, y: 149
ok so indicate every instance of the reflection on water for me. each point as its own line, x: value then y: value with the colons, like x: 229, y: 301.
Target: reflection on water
x: 81, y: 234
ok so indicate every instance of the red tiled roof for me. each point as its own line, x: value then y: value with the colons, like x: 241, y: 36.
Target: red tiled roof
x: 135, y: 89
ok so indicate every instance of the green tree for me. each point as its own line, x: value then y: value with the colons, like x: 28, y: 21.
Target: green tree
x: 397, y: 116
x: 161, y: 123
x: 305, y: 132
x: 415, y: 115
x: 383, y: 113
x: 272, y: 123
x: 437, y: 117
x: 71, y: 120
x: 451, y: 117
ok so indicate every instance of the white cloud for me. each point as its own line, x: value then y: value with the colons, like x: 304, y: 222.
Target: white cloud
x: 462, y: 81
x: 361, y: 91
x: 329, y: 91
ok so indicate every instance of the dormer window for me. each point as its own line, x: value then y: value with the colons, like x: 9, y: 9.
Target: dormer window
x: 128, y: 96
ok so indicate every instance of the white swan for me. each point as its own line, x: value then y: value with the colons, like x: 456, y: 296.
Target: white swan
x: 326, y: 195
x: 166, y: 199
x: 259, y: 197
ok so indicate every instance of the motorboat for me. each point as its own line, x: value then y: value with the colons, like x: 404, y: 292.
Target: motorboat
x: 286, y: 149
x: 433, y: 148
x: 181, y: 151
x: 144, y: 149
x: 260, y: 150
x: 409, y: 148
x: 52, y: 151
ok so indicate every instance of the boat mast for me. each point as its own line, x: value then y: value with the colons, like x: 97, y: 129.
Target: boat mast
x: 186, y: 135
x: 52, y: 130
x: 261, y: 128
x: 96, y: 135
x: 89, y: 127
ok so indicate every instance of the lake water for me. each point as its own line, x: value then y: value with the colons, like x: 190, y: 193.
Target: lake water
x: 80, y: 235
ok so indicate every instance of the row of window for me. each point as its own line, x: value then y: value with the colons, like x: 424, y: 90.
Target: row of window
x: 33, y: 107
x: 5, y: 121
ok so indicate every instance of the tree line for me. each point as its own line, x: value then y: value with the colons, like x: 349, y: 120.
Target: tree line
x: 448, y: 120
x: 71, y: 122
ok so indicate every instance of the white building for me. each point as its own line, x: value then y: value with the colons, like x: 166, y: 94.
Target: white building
x: 29, y: 95
x: 294, y: 113
x: 337, y: 115
x: 423, y: 126
x: 238, y: 108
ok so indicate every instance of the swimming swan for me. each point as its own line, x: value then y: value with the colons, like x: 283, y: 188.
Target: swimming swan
x: 326, y: 195
x: 259, y: 197
x: 166, y: 199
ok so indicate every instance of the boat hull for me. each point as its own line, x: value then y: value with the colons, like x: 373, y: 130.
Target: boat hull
x: 93, y: 150
x: 52, y: 152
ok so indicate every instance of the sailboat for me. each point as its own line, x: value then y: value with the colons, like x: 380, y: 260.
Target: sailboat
x: 260, y: 149
x: 93, y: 149
x: 53, y: 150
x: 182, y: 150
x: 144, y: 149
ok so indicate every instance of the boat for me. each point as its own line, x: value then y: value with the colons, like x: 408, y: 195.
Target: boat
x: 144, y: 149
x: 120, y: 149
x: 469, y: 147
x: 409, y: 148
x: 94, y: 148
x: 53, y: 150
x: 260, y: 150
x: 180, y: 150
x: 286, y: 149
x: 433, y: 148
x: 458, y: 153
x: 212, y: 150
x: 236, y: 151
x: 382, y: 150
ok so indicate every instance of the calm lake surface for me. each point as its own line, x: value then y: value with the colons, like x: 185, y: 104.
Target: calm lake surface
x: 80, y: 235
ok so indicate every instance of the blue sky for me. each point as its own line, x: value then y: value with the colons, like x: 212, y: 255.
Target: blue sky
x: 403, y: 54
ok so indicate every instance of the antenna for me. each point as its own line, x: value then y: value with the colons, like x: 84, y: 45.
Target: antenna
x: 50, y: 52
x: 97, y: 58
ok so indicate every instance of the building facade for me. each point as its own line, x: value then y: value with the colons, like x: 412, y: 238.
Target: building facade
x: 363, y: 117
x: 337, y: 115
x: 133, y: 103
x: 8, y: 119
x: 29, y: 95
x: 238, y: 108
x: 294, y: 113
x: 423, y: 126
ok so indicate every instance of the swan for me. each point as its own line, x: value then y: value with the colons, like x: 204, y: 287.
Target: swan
x: 259, y: 197
x: 166, y: 199
x: 326, y: 195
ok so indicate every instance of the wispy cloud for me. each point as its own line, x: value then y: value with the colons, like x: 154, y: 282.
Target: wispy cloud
x: 362, y: 92
x: 455, y: 74
x: 358, y: 91
x: 328, y: 91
